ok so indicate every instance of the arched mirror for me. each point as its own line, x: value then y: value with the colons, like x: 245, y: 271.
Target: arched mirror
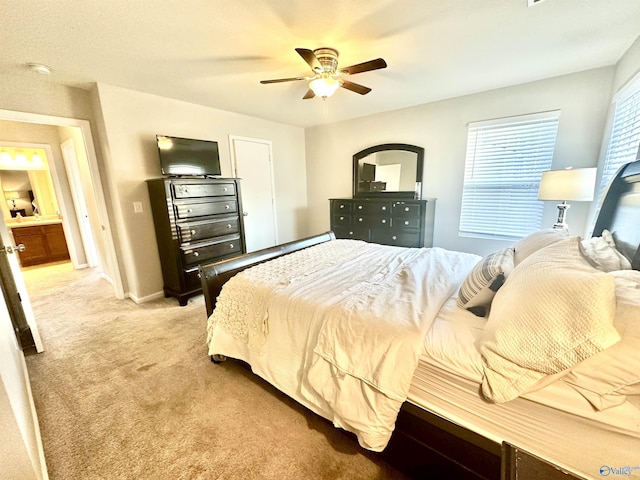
x: 391, y: 169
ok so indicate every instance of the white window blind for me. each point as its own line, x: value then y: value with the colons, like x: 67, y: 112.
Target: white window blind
x: 504, y: 163
x: 625, y: 135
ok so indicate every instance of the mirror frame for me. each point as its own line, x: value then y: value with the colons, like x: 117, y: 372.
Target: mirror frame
x: 416, y: 193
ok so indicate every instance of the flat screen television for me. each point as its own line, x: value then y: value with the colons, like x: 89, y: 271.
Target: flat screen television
x: 188, y: 157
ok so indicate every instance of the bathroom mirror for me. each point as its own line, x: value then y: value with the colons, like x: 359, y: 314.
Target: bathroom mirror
x: 391, y: 169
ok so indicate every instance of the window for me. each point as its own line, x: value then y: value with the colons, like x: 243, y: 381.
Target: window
x: 504, y: 164
x: 625, y: 134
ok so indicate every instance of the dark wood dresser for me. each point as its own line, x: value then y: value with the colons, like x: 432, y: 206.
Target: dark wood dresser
x: 197, y: 220
x: 389, y: 221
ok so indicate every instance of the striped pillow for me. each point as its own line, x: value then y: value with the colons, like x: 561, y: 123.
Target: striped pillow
x: 483, y: 282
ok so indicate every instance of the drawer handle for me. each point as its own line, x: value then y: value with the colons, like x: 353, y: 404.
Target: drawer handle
x: 360, y: 219
x: 341, y: 218
x: 228, y: 226
x: 384, y: 208
x: 406, y: 209
x: 199, y: 276
x: 394, y: 238
x: 196, y: 254
x: 189, y: 210
x: 341, y: 205
x: 224, y: 189
x: 359, y: 207
x: 351, y: 233
x: 406, y: 222
x: 384, y: 220
x: 193, y: 232
x: 231, y: 245
x: 227, y: 206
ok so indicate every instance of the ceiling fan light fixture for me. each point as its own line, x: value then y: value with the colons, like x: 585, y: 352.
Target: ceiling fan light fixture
x: 324, y: 86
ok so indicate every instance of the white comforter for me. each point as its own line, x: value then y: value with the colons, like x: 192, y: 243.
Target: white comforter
x: 339, y: 326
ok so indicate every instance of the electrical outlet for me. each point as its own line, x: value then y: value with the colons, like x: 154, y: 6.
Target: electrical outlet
x: 137, y: 207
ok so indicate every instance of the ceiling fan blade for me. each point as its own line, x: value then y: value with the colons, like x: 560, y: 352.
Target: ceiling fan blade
x: 310, y: 58
x: 354, y: 87
x: 309, y: 94
x: 365, y: 66
x: 280, y: 80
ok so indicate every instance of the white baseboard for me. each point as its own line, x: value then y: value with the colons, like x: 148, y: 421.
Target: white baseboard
x: 148, y: 298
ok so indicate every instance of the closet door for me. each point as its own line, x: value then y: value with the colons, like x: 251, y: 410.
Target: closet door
x: 252, y: 162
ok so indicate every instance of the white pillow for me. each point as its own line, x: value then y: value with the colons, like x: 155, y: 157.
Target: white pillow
x: 603, y: 253
x: 554, y: 311
x: 482, y: 283
x: 606, y: 378
x: 537, y: 240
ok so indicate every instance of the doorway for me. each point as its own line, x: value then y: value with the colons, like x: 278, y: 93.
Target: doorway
x: 80, y: 131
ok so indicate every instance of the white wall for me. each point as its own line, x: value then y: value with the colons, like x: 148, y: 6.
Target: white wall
x: 441, y: 128
x: 21, y: 457
x: 628, y: 66
x: 128, y: 122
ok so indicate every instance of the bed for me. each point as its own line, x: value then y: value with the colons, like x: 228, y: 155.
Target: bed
x: 527, y: 360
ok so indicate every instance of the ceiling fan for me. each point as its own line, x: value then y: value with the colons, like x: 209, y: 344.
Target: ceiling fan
x: 327, y: 77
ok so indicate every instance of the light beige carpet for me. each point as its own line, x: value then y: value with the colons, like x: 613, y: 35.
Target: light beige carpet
x: 126, y: 391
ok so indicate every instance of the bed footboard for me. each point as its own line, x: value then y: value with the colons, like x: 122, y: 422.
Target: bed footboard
x: 214, y: 275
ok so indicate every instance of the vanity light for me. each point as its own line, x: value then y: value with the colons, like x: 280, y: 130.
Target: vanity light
x: 36, y: 159
x: 29, y: 159
x: 21, y: 158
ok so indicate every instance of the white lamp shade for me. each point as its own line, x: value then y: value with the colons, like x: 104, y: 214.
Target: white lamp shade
x: 324, y: 86
x: 571, y: 184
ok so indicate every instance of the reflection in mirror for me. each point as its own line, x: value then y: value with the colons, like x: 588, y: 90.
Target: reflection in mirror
x: 389, y: 169
x: 27, y: 187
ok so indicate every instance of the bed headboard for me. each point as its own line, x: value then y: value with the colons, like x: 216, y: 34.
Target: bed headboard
x: 620, y: 211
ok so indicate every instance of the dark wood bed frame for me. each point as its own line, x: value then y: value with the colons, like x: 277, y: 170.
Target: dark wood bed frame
x: 426, y: 445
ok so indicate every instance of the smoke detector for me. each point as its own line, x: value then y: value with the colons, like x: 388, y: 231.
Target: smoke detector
x: 39, y: 68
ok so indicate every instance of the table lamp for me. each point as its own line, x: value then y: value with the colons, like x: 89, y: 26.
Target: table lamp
x: 571, y: 184
x: 13, y: 196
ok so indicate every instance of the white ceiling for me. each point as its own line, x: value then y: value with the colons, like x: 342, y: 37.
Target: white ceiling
x: 215, y: 52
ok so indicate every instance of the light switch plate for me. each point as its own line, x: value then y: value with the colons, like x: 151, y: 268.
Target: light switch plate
x: 137, y: 207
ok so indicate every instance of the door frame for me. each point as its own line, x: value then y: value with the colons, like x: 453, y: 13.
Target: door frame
x: 62, y: 204
x: 112, y: 270
x: 234, y: 169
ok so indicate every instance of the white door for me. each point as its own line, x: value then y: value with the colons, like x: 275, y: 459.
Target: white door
x: 79, y: 204
x: 22, y: 455
x: 252, y: 163
x: 14, y: 268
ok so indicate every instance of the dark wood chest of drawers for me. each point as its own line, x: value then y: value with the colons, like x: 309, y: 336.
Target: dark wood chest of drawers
x: 400, y: 222
x: 196, y: 221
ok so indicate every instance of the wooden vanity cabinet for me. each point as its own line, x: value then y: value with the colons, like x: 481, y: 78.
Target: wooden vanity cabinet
x: 42, y: 243
x: 388, y: 221
x: 197, y: 220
